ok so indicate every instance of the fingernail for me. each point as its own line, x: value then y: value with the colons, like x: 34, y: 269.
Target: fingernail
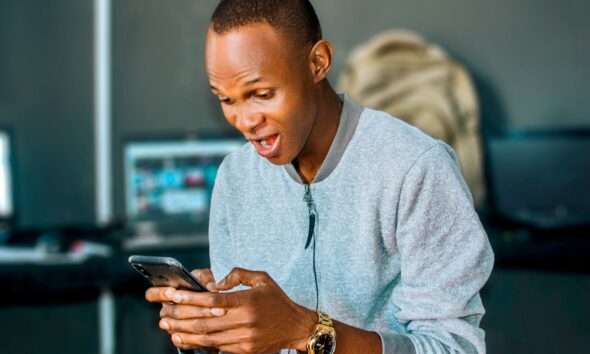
x: 211, y: 285
x: 165, y: 325
x: 169, y: 293
x: 178, y: 297
x: 222, y: 282
x: 177, y: 339
x: 217, y: 311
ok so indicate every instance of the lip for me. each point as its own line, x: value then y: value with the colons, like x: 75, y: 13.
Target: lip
x: 269, y: 151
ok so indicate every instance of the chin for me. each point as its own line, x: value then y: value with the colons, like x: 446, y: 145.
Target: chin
x: 279, y: 160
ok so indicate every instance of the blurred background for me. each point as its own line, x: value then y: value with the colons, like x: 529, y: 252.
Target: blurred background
x: 110, y: 141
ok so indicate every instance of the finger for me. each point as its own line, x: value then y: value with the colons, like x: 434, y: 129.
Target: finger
x: 218, y: 339
x: 197, y: 325
x: 183, y: 312
x: 240, y: 276
x: 189, y: 341
x: 159, y: 294
x: 207, y: 299
x: 205, y: 277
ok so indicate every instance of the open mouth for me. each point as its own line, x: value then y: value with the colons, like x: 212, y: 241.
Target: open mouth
x: 268, y: 141
x: 268, y: 146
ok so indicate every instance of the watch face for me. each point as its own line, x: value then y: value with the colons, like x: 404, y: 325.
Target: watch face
x: 324, y: 344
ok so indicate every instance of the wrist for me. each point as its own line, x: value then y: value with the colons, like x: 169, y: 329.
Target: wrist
x: 306, y: 324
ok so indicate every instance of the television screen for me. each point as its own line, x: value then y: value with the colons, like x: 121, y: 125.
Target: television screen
x: 6, y: 207
x: 170, y: 182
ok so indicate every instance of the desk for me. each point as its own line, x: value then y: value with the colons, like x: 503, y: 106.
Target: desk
x: 103, y: 280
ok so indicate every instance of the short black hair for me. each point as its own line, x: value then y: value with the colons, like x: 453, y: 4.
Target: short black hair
x: 296, y: 18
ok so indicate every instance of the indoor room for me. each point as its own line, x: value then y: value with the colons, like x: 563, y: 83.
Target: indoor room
x: 116, y: 115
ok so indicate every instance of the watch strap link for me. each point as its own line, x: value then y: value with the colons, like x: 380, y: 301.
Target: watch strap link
x: 324, y: 320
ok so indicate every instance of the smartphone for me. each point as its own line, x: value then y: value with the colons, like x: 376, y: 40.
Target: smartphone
x: 165, y: 271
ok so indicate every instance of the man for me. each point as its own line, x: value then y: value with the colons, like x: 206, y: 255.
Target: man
x: 342, y: 227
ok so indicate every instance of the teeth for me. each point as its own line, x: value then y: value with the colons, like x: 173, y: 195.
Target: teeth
x: 264, y: 144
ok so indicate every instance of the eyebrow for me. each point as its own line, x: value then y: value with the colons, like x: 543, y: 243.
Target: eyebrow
x: 252, y: 82
x: 245, y: 84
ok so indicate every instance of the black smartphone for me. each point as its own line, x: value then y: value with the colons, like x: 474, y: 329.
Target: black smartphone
x: 165, y: 271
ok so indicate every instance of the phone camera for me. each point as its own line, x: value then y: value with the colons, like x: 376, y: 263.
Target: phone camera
x: 142, y: 270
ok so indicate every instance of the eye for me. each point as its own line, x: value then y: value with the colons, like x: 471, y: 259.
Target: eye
x: 264, y: 94
x: 224, y: 100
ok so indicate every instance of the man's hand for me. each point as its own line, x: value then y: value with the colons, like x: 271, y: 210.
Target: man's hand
x: 258, y: 320
x: 164, y: 296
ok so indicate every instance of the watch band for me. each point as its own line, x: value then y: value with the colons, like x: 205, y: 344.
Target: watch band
x: 324, y: 333
x: 324, y: 320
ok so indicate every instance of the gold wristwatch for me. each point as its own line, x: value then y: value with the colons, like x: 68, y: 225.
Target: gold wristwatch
x: 323, y: 340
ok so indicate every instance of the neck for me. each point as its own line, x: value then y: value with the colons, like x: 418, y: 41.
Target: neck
x: 322, y: 134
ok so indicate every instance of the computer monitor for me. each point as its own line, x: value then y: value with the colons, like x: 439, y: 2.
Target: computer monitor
x: 169, y: 183
x: 541, y: 179
x: 6, y: 191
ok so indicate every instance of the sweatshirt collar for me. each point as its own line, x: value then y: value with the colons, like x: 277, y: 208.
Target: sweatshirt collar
x: 349, y: 119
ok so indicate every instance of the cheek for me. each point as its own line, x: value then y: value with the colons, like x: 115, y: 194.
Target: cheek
x: 228, y: 117
x: 301, y: 112
x: 303, y: 118
x: 299, y: 127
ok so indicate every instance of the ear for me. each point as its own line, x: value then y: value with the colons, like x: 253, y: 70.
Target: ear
x: 320, y: 60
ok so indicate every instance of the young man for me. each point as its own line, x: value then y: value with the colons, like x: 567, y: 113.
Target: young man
x: 342, y: 227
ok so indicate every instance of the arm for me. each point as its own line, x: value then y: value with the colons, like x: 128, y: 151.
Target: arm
x: 259, y: 320
x: 302, y: 323
x: 445, y: 258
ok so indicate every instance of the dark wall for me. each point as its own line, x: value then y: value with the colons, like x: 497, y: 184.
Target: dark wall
x: 46, y: 101
x: 529, y: 59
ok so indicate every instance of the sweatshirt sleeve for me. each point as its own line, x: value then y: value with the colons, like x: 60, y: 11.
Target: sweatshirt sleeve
x: 446, y: 259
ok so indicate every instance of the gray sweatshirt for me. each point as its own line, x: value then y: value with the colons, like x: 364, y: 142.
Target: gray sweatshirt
x: 399, y: 249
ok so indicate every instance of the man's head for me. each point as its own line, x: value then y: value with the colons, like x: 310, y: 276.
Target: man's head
x: 266, y: 62
x: 295, y: 18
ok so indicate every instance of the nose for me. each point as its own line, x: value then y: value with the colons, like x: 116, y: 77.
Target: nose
x: 247, y: 121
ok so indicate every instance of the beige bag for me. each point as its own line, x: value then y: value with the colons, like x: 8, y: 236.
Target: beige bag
x: 399, y: 73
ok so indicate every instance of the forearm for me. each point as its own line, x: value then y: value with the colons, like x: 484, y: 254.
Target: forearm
x: 352, y: 340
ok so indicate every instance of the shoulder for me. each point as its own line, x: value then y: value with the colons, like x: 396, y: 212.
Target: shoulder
x: 389, y: 141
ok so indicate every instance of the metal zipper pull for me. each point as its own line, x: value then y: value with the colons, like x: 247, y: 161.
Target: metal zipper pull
x: 308, y: 199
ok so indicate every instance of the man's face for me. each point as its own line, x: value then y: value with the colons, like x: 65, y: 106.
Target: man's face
x: 265, y: 88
